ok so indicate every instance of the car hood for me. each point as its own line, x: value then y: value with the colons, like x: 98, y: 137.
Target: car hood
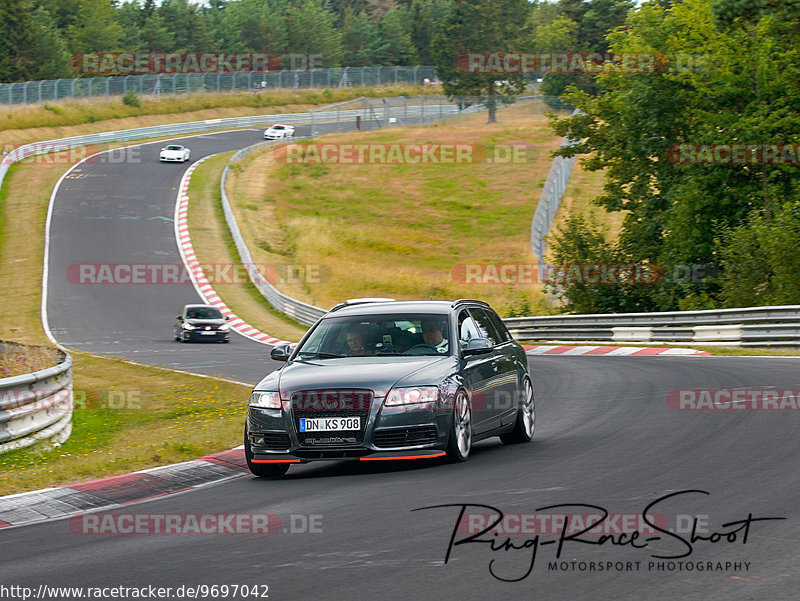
x: 206, y: 322
x: 172, y: 152
x: 378, y: 374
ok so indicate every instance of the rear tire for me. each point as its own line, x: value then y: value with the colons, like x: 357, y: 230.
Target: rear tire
x: 262, y: 470
x: 460, y: 440
x: 525, y: 423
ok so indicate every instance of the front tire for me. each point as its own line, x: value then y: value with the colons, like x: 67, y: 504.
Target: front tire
x: 262, y: 470
x: 460, y: 443
x: 525, y: 424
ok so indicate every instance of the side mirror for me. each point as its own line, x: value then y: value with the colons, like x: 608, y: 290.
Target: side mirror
x: 281, y: 353
x: 477, y: 346
x: 179, y: 318
x: 227, y: 317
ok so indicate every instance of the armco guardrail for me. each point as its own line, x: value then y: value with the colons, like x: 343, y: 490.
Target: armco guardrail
x: 36, y: 407
x: 752, y: 326
x: 380, y: 111
x: 175, y: 129
x: 25, y: 92
x: 297, y: 310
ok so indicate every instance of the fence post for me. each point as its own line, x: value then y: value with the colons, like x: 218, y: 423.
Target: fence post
x: 55, y: 91
x: 108, y: 89
x: 416, y: 70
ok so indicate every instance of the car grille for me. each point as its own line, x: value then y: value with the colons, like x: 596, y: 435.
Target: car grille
x: 331, y: 403
x: 403, y: 437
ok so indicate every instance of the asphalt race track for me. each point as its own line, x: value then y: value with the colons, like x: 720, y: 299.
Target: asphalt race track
x: 605, y: 437
x: 123, y: 213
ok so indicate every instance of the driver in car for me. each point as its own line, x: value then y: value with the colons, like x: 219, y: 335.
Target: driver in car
x: 433, y: 334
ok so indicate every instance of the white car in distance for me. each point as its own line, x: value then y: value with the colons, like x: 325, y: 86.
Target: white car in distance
x: 175, y: 153
x: 279, y: 132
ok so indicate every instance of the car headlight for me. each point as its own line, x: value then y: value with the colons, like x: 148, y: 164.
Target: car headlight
x: 188, y: 326
x: 411, y: 396
x: 266, y: 400
x: 225, y: 327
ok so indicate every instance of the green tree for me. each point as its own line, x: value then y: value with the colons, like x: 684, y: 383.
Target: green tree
x: 481, y: 26
x: 50, y: 52
x: 154, y: 34
x: 18, y: 39
x: 761, y: 259
x: 130, y: 18
x: 423, y: 20
x: 392, y: 43
x: 311, y: 30
x: 745, y: 88
x: 358, y: 39
x: 186, y: 26
x: 95, y: 29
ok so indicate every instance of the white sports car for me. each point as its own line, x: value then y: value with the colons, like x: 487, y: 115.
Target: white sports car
x: 279, y: 132
x: 175, y: 153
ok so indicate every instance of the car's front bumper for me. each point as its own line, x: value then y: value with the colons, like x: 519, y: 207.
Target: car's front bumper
x: 349, y: 456
x: 389, y: 433
x: 214, y: 335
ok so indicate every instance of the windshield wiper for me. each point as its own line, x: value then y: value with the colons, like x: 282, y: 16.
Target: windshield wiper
x: 303, y: 355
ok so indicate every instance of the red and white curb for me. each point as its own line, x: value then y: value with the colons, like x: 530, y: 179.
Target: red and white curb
x: 610, y: 351
x: 116, y: 491
x: 199, y: 279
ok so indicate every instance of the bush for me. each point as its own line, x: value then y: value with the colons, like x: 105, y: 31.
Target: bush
x: 131, y: 98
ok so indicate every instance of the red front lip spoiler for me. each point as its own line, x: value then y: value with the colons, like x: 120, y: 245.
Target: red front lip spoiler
x: 380, y: 456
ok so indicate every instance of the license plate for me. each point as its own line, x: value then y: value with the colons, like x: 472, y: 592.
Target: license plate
x: 208, y: 333
x: 328, y: 424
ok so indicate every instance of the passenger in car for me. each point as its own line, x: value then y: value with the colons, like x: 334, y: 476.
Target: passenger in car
x: 357, y: 341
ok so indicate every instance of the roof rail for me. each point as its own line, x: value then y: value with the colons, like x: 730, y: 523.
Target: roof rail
x: 462, y: 301
x: 360, y: 301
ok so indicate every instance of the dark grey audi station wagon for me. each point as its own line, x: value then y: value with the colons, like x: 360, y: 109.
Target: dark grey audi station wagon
x: 377, y: 379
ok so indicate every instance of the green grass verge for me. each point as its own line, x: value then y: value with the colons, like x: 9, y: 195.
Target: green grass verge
x: 131, y: 417
x: 213, y: 244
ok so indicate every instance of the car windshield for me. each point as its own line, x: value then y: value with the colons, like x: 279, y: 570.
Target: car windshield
x: 174, y: 147
x: 391, y: 334
x: 277, y: 127
x: 203, y: 313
